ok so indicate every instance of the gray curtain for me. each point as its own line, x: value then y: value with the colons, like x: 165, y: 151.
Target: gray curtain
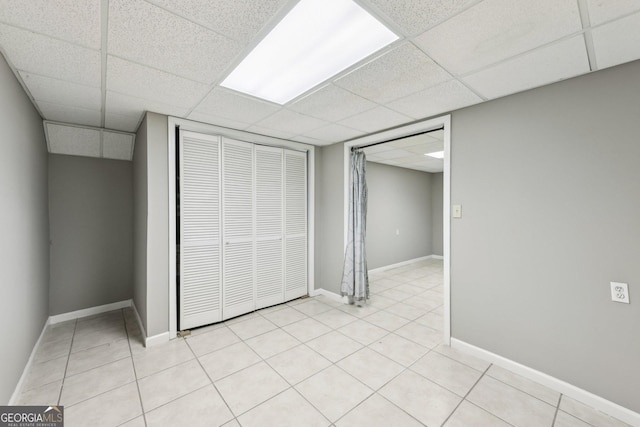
x: 355, y: 278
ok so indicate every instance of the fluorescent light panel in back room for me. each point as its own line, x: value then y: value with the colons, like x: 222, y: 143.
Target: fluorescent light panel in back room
x: 315, y: 41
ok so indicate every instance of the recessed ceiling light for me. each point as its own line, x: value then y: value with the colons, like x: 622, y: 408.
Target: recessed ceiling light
x: 315, y: 41
x: 436, y: 154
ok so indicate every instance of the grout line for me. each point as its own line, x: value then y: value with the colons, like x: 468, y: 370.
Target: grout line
x: 555, y: 414
x: 135, y: 373
x: 64, y: 376
x: 467, y: 394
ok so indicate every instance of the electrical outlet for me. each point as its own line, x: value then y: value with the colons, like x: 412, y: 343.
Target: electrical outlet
x: 457, y: 211
x: 619, y: 292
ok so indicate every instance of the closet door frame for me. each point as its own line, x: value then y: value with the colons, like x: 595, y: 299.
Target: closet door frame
x: 173, y: 123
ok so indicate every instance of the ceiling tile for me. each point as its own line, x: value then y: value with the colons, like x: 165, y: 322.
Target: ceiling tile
x: 542, y: 66
x: 149, y: 35
x: 333, y: 133
x: 62, y: 92
x: 400, y: 72
x: 374, y: 120
x: 73, y: 115
x: 426, y: 147
x: 124, y: 105
x: 234, y: 106
x: 70, y: 20
x: 309, y: 140
x: 378, y: 148
x: 392, y: 154
x: 410, y: 141
x: 291, y: 122
x: 260, y: 130
x: 45, y: 56
x: 147, y: 83
x: 331, y: 103
x: 443, y: 98
x: 126, y: 123
x: 73, y: 140
x: 239, y: 19
x: 606, y: 10
x: 494, y: 30
x: 416, y: 16
x: 118, y: 146
x: 617, y: 42
x: 217, y: 121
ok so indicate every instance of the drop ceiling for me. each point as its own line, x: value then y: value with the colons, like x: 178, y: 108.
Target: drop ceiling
x: 103, y: 63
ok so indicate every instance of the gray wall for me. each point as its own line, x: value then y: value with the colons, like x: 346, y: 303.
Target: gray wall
x: 91, y: 229
x: 548, y: 181
x: 152, y: 274
x: 330, y: 218
x: 24, y: 247
x: 399, y: 200
x: 437, y: 183
x: 140, y: 223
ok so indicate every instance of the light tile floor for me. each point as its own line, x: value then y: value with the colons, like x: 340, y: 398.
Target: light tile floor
x: 310, y: 362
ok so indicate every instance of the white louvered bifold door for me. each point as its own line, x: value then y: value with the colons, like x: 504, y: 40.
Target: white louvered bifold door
x: 238, y: 225
x: 200, y: 255
x: 295, y: 179
x: 269, y: 226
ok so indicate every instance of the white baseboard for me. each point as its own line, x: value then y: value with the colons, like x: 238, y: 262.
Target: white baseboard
x: 157, y: 339
x: 18, y: 390
x: 588, y: 398
x: 58, y: 318
x: 403, y: 263
x: 330, y: 294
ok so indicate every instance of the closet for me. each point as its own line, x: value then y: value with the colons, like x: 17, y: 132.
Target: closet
x: 242, y: 227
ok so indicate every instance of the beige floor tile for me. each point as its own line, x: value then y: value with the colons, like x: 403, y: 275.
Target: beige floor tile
x: 97, y: 356
x: 312, y: 307
x: 432, y: 320
x: 45, y: 373
x: 460, y: 356
x: 205, y: 329
x: 298, y: 363
x: 335, y: 318
x: 212, y: 340
x: 250, y: 387
x: 386, y: 320
x: 112, y: 408
x: 96, y: 381
x: 228, y: 360
x: 422, y: 399
x: 587, y: 414
x: 395, y: 295
x: 469, y: 414
x: 399, y: 349
x: 201, y: 408
x: 381, y: 302
x: 106, y: 335
x: 543, y: 393
x: 420, y: 334
x: 47, y: 394
x: 425, y: 303
x: 363, y: 332
x: 52, y: 349
x: 511, y: 404
x: 157, y: 358
x: 410, y: 289
x: 452, y: 375
x: 359, y: 311
x: 307, y: 329
x: 287, y: 409
x: 334, y: 346
x: 59, y: 331
x: 252, y: 327
x: 405, y: 310
x: 377, y: 411
x: 328, y: 300
x: 565, y: 420
x: 271, y: 309
x: 242, y: 318
x: 372, y: 368
x: 333, y: 392
x: 284, y: 316
x: 271, y: 343
x: 232, y: 423
x: 165, y: 386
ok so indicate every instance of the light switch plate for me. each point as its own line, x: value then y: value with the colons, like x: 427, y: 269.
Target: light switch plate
x: 619, y: 292
x: 457, y: 211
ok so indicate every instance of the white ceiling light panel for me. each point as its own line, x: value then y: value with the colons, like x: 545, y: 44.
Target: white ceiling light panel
x: 315, y: 41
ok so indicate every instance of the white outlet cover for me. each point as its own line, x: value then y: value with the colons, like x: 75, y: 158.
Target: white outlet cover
x: 619, y: 292
x: 457, y: 211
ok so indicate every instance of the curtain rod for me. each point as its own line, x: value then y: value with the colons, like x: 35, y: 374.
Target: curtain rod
x: 395, y: 139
